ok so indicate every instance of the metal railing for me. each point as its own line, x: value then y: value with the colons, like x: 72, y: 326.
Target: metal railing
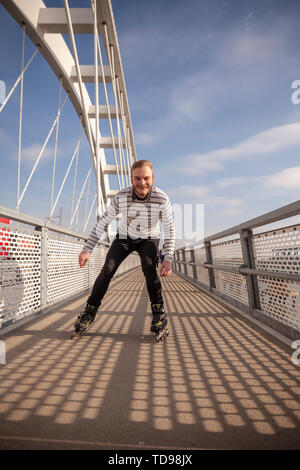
x: 39, y: 266
x: 257, y: 273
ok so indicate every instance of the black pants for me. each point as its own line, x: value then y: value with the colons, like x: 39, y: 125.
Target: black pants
x: 119, y: 250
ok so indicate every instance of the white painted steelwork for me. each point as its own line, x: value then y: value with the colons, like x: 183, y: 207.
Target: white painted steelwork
x: 45, y: 27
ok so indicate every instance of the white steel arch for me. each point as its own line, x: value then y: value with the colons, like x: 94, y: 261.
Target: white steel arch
x: 45, y: 27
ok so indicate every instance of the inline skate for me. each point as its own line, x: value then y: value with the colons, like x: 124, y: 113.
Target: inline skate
x: 84, y: 320
x: 159, y: 322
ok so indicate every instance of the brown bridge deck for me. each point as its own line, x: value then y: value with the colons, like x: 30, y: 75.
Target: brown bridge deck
x: 217, y: 382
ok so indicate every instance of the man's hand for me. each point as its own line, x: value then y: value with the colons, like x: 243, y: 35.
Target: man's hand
x: 166, y: 268
x: 83, y: 258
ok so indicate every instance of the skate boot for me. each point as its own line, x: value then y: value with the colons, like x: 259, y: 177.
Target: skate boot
x: 159, y: 322
x: 84, y: 320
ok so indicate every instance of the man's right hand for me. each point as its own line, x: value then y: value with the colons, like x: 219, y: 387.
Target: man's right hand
x: 83, y: 258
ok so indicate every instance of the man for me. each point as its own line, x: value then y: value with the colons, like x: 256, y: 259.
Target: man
x: 142, y: 207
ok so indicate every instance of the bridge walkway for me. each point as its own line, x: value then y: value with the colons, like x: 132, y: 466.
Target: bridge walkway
x: 217, y: 382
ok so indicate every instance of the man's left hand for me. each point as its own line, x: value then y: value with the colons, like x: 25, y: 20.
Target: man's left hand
x: 166, y: 268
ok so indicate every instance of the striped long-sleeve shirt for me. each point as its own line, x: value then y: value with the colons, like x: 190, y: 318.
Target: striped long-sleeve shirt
x: 139, y: 218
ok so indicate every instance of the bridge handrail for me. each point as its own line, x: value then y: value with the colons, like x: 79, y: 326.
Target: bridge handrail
x: 39, y: 267
x: 284, y: 212
x: 259, y: 274
x: 38, y: 224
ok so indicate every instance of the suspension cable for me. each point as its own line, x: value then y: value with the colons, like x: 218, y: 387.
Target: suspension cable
x: 87, y: 199
x: 108, y: 111
x: 113, y: 80
x: 20, y: 118
x: 80, y: 196
x: 88, y: 218
x: 41, y: 152
x: 55, y: 148
x: 18, y: 79
x: 117, y: 112
x: 125, y: 129
x: 123, y: 119
x: 75, y: 56
x: 65, y: 177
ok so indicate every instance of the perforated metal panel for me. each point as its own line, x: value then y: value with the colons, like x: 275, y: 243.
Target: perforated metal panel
x: 234, y: 285
x: 279, y: 251
x: 22, y: 280
x: 96, y: 262
x: 65, y: 277
x: 20, y: 267
x: 202, y: 273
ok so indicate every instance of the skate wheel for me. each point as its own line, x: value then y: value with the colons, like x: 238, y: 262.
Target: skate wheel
x: 161, y: 335
x: 74, y: 334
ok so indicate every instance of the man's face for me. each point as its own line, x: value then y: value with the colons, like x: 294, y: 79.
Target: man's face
x: 142, y: 179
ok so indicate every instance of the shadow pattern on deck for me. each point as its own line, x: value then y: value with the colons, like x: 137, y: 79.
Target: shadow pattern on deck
x: 217, y: 382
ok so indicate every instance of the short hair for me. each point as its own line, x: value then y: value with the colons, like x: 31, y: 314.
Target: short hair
x: 140, y: 163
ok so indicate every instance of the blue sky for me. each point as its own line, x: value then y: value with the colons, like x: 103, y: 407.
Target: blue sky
x: 209, y: 87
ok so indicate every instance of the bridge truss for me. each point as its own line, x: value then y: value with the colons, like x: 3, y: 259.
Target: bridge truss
x: 55, y: 33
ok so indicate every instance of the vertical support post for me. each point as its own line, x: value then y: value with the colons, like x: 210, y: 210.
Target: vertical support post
x: 184, y: 261
x: 177, y: 260
x: 193, y: 260
x: 249, y: 262
x: 44, y: 266
x: 209, y: 260
x: 90, y: 268
x: 174, y: 262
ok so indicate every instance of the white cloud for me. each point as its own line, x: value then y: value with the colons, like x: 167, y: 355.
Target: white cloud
x: 144, y: 138
x: 222, y: 201
x: 65, y: 150
x: 233, y: 211
x: 265, y: 143
x: 224, y: 205
x: 288, y: 179
x: 245, y: 47
x: 240, y: 67
x: 188, y: 191
x: 4, y: 137
x: 227, y: 182
x: 30, y: 154
x: 204, y: 195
